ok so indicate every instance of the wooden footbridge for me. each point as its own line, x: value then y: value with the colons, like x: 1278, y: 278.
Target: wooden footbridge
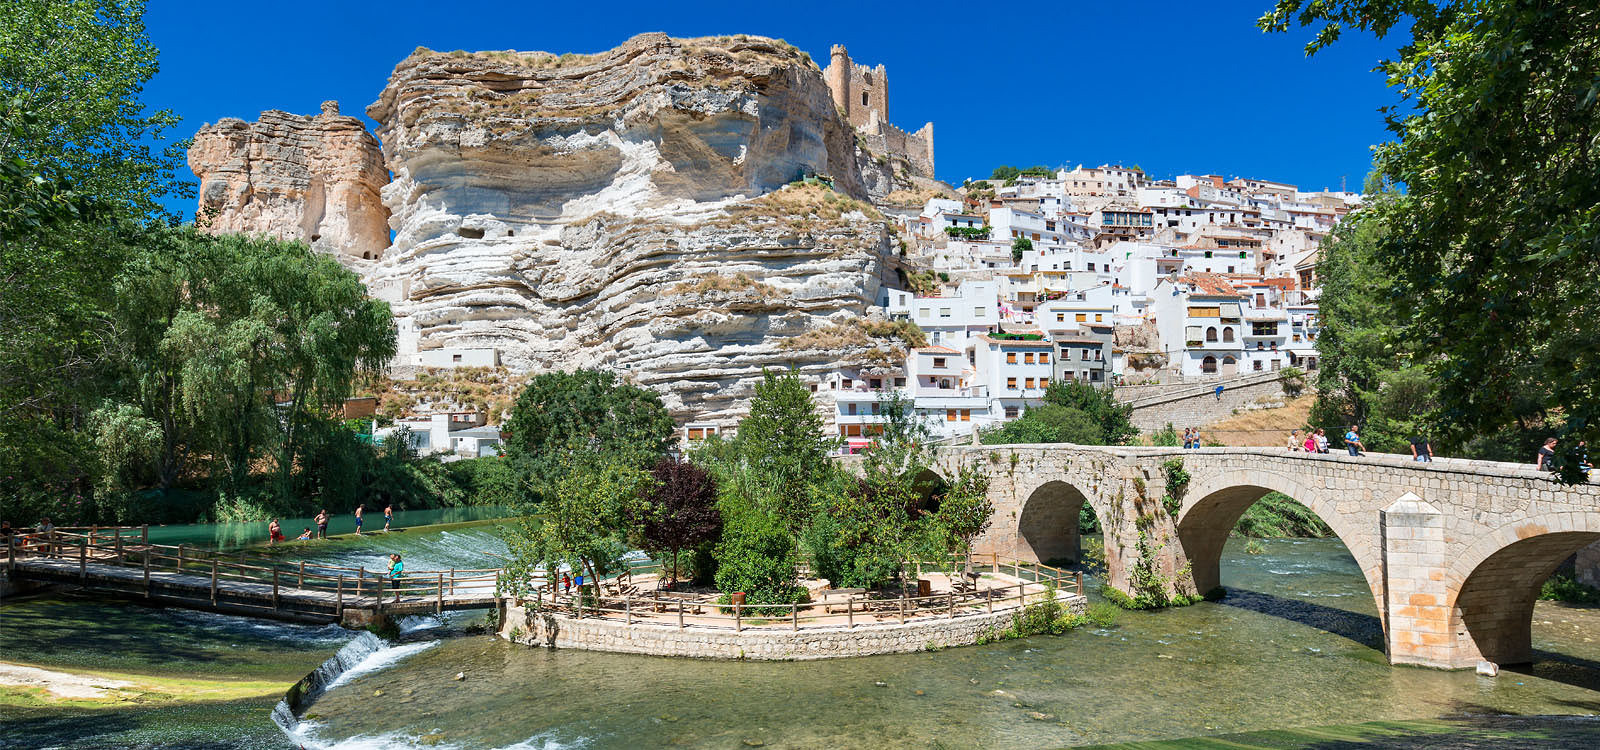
x: 123, y: 561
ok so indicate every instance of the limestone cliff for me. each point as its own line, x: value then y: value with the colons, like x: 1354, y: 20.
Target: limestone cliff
x: 621, y: 210
x: 313, y: 179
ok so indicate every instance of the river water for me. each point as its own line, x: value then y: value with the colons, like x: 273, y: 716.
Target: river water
x: 1294, y: 644
x: 232, y: 536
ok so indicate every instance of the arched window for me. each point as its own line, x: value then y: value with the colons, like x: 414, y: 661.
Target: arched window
x: 1227, y: 334
x: 1211, y: 333
x: 1209, y: 364
x: 1229, y: 361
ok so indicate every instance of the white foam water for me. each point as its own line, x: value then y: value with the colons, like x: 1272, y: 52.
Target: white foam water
x: 364, y: 654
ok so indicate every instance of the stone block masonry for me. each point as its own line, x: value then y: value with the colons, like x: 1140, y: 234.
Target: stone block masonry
x: 1196, y: 404
x: 529, y: 627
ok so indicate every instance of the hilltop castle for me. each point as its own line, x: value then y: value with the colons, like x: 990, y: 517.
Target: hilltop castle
x: 862, y: 95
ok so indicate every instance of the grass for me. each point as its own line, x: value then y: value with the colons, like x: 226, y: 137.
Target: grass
x: 143, y: 690
x: 1262, y: 427
x: 735, y: 283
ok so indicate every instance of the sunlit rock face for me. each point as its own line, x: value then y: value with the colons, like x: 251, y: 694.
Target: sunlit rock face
x: 315, y: 179
x: 623, y: 210
x: 606, y: 211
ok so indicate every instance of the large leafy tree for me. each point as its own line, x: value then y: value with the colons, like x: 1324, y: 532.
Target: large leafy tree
x: 783, y: 443
x: 587, y: 411
x: 584, y: 524
x: 1494, y: 245
x: 680, y: 512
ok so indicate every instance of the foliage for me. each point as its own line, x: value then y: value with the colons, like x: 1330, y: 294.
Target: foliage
x: 1294, y: 381
x: 1044, y: 616
x: 783, y: 445
x: 1489, y: 251
x: 1102, y: 614
x: 583, y: 522
x: 1166, y: 437
x: 1008, y: 174
x: 756, y: 556
x: 1019, y: 246
x: 964, y: 511
x: 680, y: 513
x: 968, y: 233
x: 1177, y: 476
x: 1151, y: 589
x: 1278, y: 515
x: 1050, y: 423
x: 70, y: 78
x: 562, y: 414
x: 1564, y: 588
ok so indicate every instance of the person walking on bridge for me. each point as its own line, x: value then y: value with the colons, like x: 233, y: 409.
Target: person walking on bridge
x: 397, y: 570
x: 1545, y: 460
x: 1352, y: 441
x: 1421, y: 449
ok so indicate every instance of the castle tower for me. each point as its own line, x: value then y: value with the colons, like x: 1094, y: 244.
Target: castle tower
x: 838, y: 77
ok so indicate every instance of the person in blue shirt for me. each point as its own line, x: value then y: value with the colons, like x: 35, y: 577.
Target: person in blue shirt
x: 1219, y: 393
x: 1352, y: 441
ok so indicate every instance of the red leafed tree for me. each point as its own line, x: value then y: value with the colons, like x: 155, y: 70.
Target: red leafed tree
x: 682, y: 511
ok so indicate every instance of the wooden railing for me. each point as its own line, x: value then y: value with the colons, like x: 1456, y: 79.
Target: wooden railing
x: 614, y: 599
x: 331, y: 586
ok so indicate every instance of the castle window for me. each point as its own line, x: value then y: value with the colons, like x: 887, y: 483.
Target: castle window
x: 863, y: 98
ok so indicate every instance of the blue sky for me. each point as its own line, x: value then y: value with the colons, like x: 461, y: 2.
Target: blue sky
x: 1179, y: 87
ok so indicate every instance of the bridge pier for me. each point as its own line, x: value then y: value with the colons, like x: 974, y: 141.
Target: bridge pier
x: 1453, y: 551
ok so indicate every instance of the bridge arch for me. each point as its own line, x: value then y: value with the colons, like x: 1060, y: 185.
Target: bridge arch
x: 1215, y: 499
x: 1047, y: 525
x: 1495, y: 583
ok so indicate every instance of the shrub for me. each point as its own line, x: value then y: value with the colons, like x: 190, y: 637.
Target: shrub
x: 1564, y: 588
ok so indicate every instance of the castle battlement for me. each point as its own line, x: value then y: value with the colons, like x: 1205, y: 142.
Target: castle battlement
x: 861, y: 94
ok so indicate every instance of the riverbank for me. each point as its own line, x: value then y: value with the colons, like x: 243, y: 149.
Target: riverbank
x: 1462, y: 733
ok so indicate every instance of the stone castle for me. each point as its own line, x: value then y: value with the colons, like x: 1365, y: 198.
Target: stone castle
x: 862, y: 95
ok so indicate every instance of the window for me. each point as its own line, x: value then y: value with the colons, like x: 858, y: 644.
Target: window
x: 1061, y: 317
x: 1227, y: 334
x: 1205, y: 312
x: 846, y: 383
x: 875, y: 384
x: 950, y: 415
x: 863, y: 98
x: 1099, y: 355
x: 938, y: 362
x: 700, y: 433
x: 813, y: 387
x: 1028, y: 383
x: 1098, y: 317
x: 1208, y: 253
x: 1277, y: 364
x: 1209, y: 364
x: 1081, y: 317
x: 1011, y: 412
x: 966, y: 415
x: 899, y: 382
x: 1257, y: 364
x: 455, y: 358
x: 977, y: 312
x: 1027, y: 359
x: 1011, y: 384
x: 1230, y: 269
x: 1211, y: 333
x: 876, y: 408
x: 923, y: 313
x: 1044, y: 358
x: 1011, y: 358
x: 944, y: 312
x: 1083, y: 354
x: 1091, y: 266
x: 850, y: 409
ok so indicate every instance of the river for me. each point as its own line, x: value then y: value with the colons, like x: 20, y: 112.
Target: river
x: 1295, y: 644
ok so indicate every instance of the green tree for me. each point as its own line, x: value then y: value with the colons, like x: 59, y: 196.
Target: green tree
x: 586, y: 411
x: 1492, y: 246
x: 70, y: 78
x: 1113, y: 417
x: 1019, y: 246
x: 583, y: 521
x: 964, y: 511
x: 784, y: 444
x: 1050, y: 423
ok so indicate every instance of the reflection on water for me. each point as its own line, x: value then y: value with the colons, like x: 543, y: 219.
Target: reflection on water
x: 1296, y: 644
x: 231, y: 536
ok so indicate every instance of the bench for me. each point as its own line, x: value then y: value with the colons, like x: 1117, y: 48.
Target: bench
x: 828, y: 593
x: 690, y: 603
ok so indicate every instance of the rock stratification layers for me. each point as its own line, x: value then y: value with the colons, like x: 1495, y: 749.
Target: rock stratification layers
x: 313, y: 179
x: 618, y: 211
x: 626, y: 210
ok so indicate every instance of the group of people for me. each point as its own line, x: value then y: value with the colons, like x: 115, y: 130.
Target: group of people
x: 1314, y: 441
x: 1544, y: 460
x: 275, y: 530
x: 1191, y: 437
x: 37, y: 537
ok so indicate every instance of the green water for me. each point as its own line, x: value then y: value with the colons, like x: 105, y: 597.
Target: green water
x: 1294, y: 645
x: 231, y: 536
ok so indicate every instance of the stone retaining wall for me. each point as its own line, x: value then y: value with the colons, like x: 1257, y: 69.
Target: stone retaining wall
x: 1197, y: 407
x: 556, y: 630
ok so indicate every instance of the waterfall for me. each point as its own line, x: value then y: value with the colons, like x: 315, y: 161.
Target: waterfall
x: 364, y: 654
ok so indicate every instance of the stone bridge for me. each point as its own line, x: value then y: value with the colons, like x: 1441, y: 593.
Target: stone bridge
x: 1454, y: 551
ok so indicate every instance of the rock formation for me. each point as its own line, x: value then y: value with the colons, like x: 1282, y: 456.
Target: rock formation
x: 314, y: 179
